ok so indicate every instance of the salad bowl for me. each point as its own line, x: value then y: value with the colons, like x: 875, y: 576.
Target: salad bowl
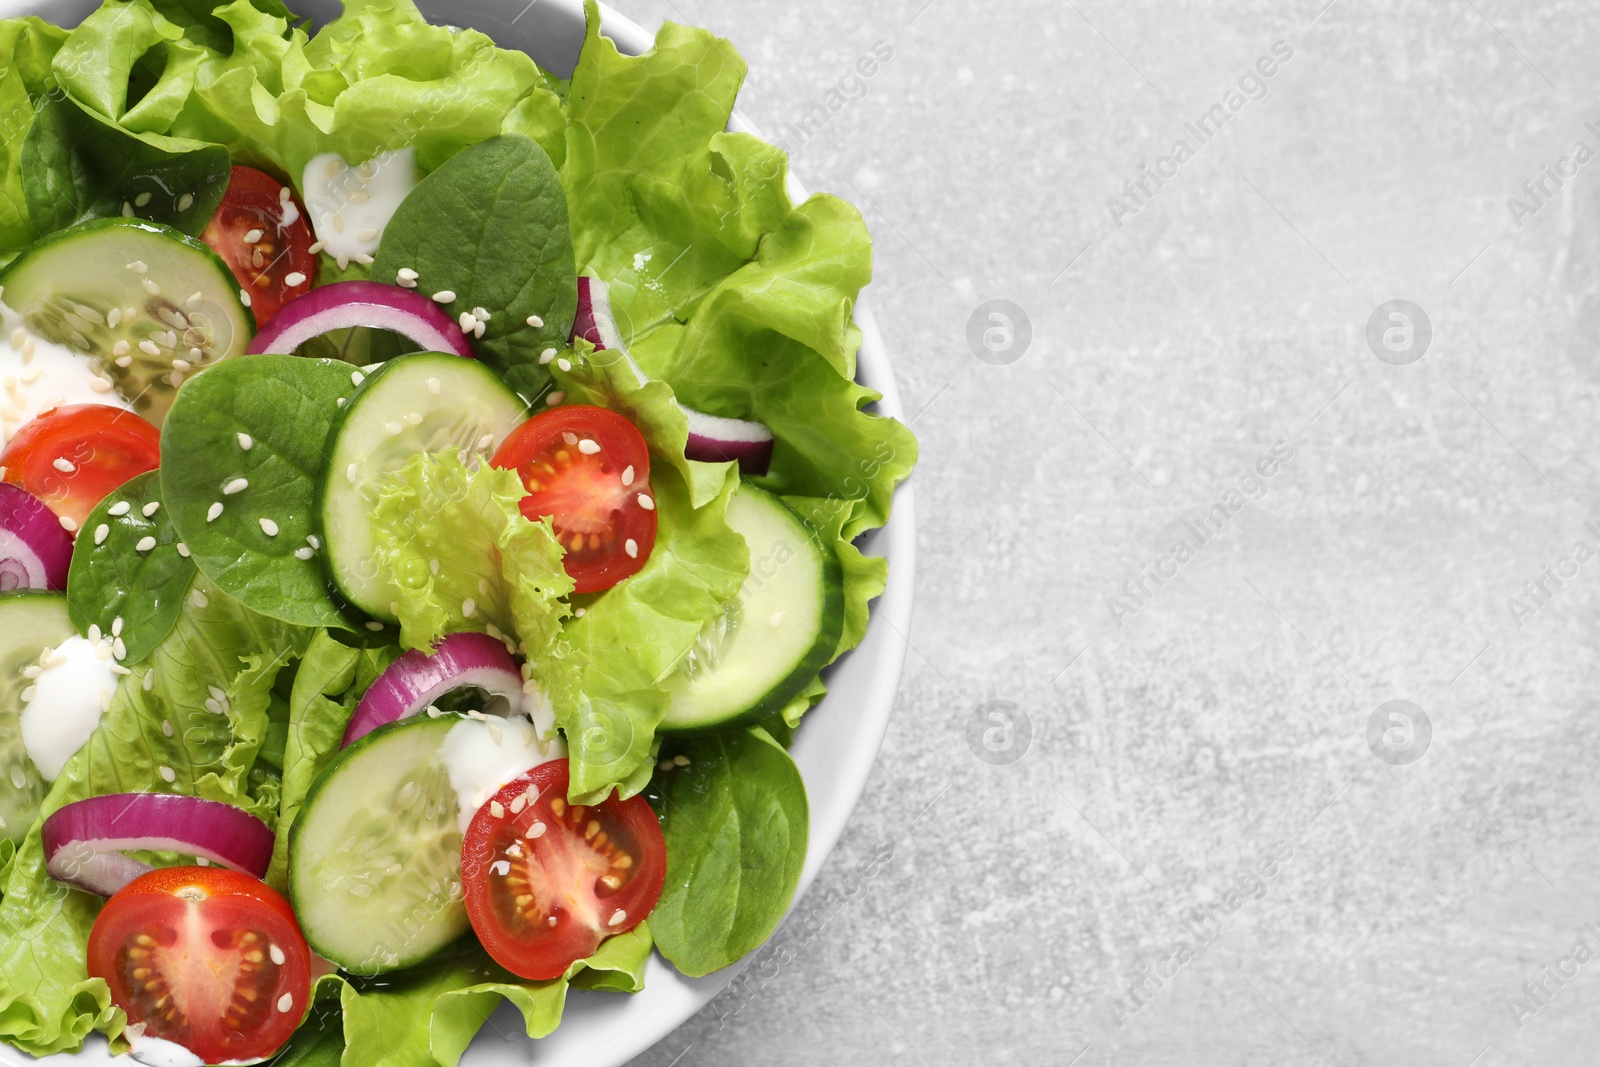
x: 838, y: 743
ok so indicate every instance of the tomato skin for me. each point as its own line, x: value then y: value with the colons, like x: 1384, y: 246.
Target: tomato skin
x: 194, y: 954
x: 595, y: 511
x: 541, y: 903
x: 102, y: 447
x: 255, y: 202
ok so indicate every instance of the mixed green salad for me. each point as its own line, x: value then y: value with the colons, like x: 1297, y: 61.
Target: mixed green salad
x: 428, y: 503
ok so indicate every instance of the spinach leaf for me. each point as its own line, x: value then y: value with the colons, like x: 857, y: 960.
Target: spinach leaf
x: 735, y: 822
x: 78, y: 166
x: 490, y: 225
x: 256, y: 426
x: 111, y: 578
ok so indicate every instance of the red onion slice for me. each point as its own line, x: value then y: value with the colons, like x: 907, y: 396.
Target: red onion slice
x: 84, y: 842
x: 34, y: 550
x: 417, y: 679
x: 712, y: 438
x: 344, y: 305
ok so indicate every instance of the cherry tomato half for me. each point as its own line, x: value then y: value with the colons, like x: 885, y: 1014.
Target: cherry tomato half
x: 71, y: 457
x: 589, y: 470
x: 205, y: 957
x: 255, y: 208
x: 546, y: 881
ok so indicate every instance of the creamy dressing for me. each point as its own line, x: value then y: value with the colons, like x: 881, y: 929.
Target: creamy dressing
x: 349, y: 206
x: 63, y: 705
x: 479, y: 765
x: 159, y: 1052
x: 37, y: 375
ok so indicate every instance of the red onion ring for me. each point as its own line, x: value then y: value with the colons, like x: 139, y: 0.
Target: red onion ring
x: 712, y: 438
x: 417, y: 679
x: 344, y: 305
x: 34, y: 550
x: 84, y: 842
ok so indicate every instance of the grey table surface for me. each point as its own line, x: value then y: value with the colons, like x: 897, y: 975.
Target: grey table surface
x: 1216, y: 846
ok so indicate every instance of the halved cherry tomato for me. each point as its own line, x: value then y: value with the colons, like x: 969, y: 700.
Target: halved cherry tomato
x: 71, y: 457
x: 205, y: 957
x: 546, y: 881
x: 589, y: 470
x: 254, y: 207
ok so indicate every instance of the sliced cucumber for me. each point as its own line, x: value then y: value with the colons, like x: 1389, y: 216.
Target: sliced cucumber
x: 30, y: 623
x: 161, y: 289
x: 375, y: 854
x: 420, y: 403
x: 773, y: 638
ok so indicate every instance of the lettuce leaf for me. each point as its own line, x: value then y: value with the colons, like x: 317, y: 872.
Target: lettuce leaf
x: 47, y: 1003
x: 27, y: 47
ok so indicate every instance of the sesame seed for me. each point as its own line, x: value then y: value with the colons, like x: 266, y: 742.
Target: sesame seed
x: 316, y: 247
x: 414, y: 419
x: 618, y: 917
x: 101, y: 532
x: 580, y: 613
x: 468, y: 322
x: 244, y: 298
x: 480, y: 329
x: 646, y: 502
x: 564, y: 365
x: 680, y: 761
x: 151, y: 508
x: 777, y: 619
x: 497, y: 809
x: 166, y: 726
x: 368, y: 234
x: 535, y: 321
x: 277, y: 954
x: 100, y: 385
x: 168, y: 775
x: 406, y: 274
x: 246, y: 442
x: 124, y: 361
x: 151, y: 287
x: 127, y: 210
x: 445, y: 296
x: 627, y: 475
x: 253, y: 237
x: 199, y: 599
x: 148, y: 682
x: 338, y: 222
x: 631, y: 547
x: 374, y: 625
x: 114, y: 318
x: 238, y: 485
x: 303, y: 553
x: 555, y: 398
x: 185, y: 202
x: 145, y: 544
x: 393, y: 427
x: 214, y: 512
x: 434, y: 387
x: 118, y: 649
x: 535, y: 831
x: 138, y: 266
x: 589, y: 447
x: 268, y: 527
x: 292, y: 279
x: 485, y: 441
x: 149, y: 347
x: 69, y: 525
x: 195, y: 299
x: 356, y: 377
x: 546, y: 356
x: 469, y: 608
x: 183, y: 550
x: 350, y: 474
x: 286, y: 1002
x: 313, y: 540
x: 64, y: 465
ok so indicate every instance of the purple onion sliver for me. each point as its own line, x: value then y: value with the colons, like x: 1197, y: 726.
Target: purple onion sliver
x: 345, y: 305
x: 417, y: 679
x: 84, y: 842
x: 35, y: 551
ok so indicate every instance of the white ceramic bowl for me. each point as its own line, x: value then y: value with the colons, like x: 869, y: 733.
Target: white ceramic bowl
x: 839, y: 741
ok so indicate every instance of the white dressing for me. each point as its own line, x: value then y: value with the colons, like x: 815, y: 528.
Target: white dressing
x: 482, y: 755
x: 349, y: 206
x: 37, y: 375
x: 159, y: 1052
x: 62, y: 707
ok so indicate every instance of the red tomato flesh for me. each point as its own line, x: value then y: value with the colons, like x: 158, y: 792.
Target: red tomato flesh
x: 208, y: 958
x: 72, y: 457
x: 254, y: 207
x: 546, y: 881
x: 588, y: 469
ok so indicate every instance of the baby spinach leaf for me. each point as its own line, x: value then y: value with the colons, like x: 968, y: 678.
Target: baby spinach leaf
x: 735, y: 822
x: 112, y: 577
x: 491, y: 226
x: 78, y: 166
x: 244, y: 444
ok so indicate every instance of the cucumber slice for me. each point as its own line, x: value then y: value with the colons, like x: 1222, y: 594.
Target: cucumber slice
x: 375, y: 853
x: 30, y: 623
x: 773, y: 638
x: 421, y: 403
x: 184, y: 304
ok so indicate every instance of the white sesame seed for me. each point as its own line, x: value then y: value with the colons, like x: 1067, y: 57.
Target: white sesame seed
x: 546, y: 356
x: 627, y: 475
x: 114, y: 318
x: 183, y: 550
x: 253, y: 236
x: 124, y: 361
x: 246, y: 442
x: 268, y: 527
x: 214, y: 512
x: 185, y: 202
x: 564, y: 365
x: 303, y: 553
x: 101, y: 532
x: 406, y: 274
x: 195, y: 299
x: 119, y: 509
x: 313, y: 540
x: 414, y: 419
x: 151, y: 287
x: 589, y: 447
x: 356, y: 377
x: 64, y: 465
x: 148, y: 682
x: 480, y: 329
x: 316, y: 247
x: 69, y: 525
x: 237, y: 485
x: 469, y: 608
x: 145, y: 544
x: 368, y: 234
x: 118, y: 649
x: 777, y: 619
x: 244, y: 298
x: 680, y: 761
x: 445, y: 296
x: 393, y: 427
x: 485, y: 441
x: 100, y: 385
x: 535, y: 831
x: 433, y: 386
x: 350, y: 474
x: 277, y: 954
x: 618, y: 917
x: 535, y: 321
x: 338, y: 222
x: 468, y: 322
x: 646, y: 503
x: 138, y: 266
x: 151, y: 508
x: 631, y: 547
x: 555, y: 398
x: 374, y: 625
x: 168, y: 775
x: 127, y: 210
x: 142, y: 200
x: 199, y: 599
x: 149, y: 347
x: 166, y: 725
x: 292, y: 279
x: 286, y: 1002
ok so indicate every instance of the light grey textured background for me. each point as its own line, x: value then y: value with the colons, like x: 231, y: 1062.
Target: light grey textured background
x: 1171, y: 751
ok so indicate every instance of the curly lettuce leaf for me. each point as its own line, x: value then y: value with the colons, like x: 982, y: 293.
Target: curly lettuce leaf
x: 47, y: 1002
x: 450, y: 539
x: 27, y: 47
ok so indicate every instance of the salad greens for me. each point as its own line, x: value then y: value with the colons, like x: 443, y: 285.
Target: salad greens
x: 245, y: 668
